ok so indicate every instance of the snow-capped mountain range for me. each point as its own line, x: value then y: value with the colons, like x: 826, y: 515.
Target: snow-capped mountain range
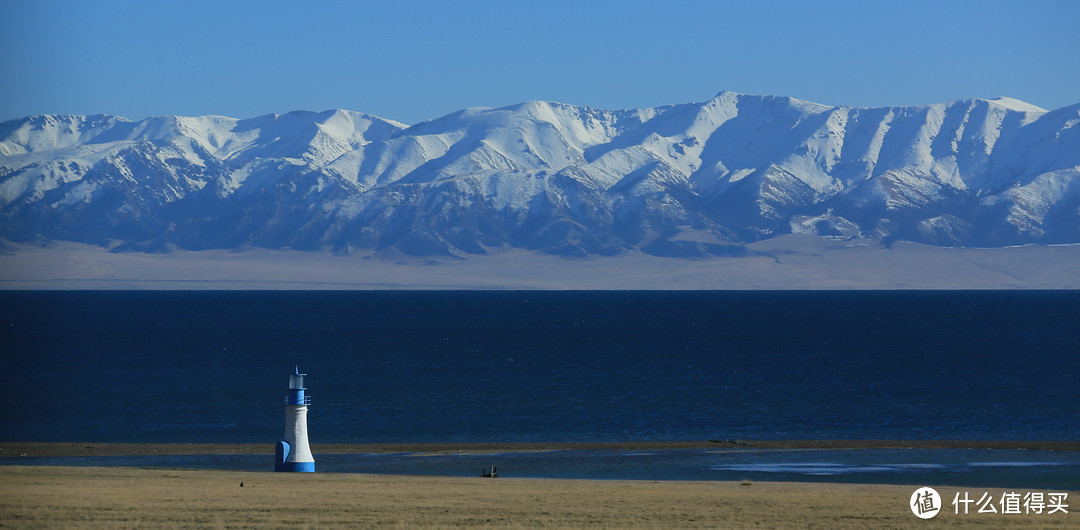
x: 681, y: 180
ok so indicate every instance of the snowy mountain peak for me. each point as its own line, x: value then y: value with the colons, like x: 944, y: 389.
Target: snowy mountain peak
x: 45, y: 132
x: 686, y: 179
x: 1017, y: 105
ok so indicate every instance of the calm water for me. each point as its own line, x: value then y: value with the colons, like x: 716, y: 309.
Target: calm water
x: 541, y: 366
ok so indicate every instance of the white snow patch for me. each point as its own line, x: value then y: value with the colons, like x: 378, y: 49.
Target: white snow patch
x: 1017, y: 105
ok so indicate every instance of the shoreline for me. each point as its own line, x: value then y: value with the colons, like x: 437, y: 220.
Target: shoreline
x: 78, y: 449
x: 791, y: 261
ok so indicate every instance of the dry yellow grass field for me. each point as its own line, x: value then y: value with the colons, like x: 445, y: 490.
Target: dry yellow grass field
x: 86, y: 497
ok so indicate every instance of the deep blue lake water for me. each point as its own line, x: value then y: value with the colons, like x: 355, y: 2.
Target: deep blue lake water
x: 107, y: 366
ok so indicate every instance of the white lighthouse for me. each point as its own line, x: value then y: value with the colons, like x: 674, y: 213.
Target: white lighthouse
x: 293, y: 453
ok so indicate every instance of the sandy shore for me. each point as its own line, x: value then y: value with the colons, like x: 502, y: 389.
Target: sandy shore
x: 78, y: 497
x: 37, y: 449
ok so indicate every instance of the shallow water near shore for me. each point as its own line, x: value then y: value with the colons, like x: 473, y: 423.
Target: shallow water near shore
x: 1040, y: 470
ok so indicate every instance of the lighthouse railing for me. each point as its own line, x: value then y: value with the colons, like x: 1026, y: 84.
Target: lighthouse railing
x: 305, y: 401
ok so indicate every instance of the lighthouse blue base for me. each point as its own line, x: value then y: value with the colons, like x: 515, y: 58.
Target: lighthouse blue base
x: 301, y: 467
x: 281, y: 455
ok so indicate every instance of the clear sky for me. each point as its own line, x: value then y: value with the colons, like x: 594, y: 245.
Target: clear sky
x: 412, y: 60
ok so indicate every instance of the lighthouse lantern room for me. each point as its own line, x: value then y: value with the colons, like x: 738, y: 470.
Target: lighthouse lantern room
x: 293, y: 453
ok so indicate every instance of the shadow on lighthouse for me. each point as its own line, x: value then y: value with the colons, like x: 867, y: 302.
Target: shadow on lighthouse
x: 293, y: 453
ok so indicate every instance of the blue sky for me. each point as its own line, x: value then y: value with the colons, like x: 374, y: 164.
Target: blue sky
x: 412, y: 60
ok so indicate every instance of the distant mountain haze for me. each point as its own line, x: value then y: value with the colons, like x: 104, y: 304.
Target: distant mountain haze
x: 687, y: 180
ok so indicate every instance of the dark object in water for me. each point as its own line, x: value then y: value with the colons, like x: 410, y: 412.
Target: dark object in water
x: 489, y: 474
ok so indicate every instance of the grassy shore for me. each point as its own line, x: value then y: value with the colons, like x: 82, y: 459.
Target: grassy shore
x: 83, y: 497
x: 109, y: 497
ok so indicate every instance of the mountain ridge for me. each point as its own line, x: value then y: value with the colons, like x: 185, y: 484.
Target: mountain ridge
x: 691, y: 179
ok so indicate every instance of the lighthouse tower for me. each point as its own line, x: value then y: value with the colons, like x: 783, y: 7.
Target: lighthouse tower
x: 293, y: 453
